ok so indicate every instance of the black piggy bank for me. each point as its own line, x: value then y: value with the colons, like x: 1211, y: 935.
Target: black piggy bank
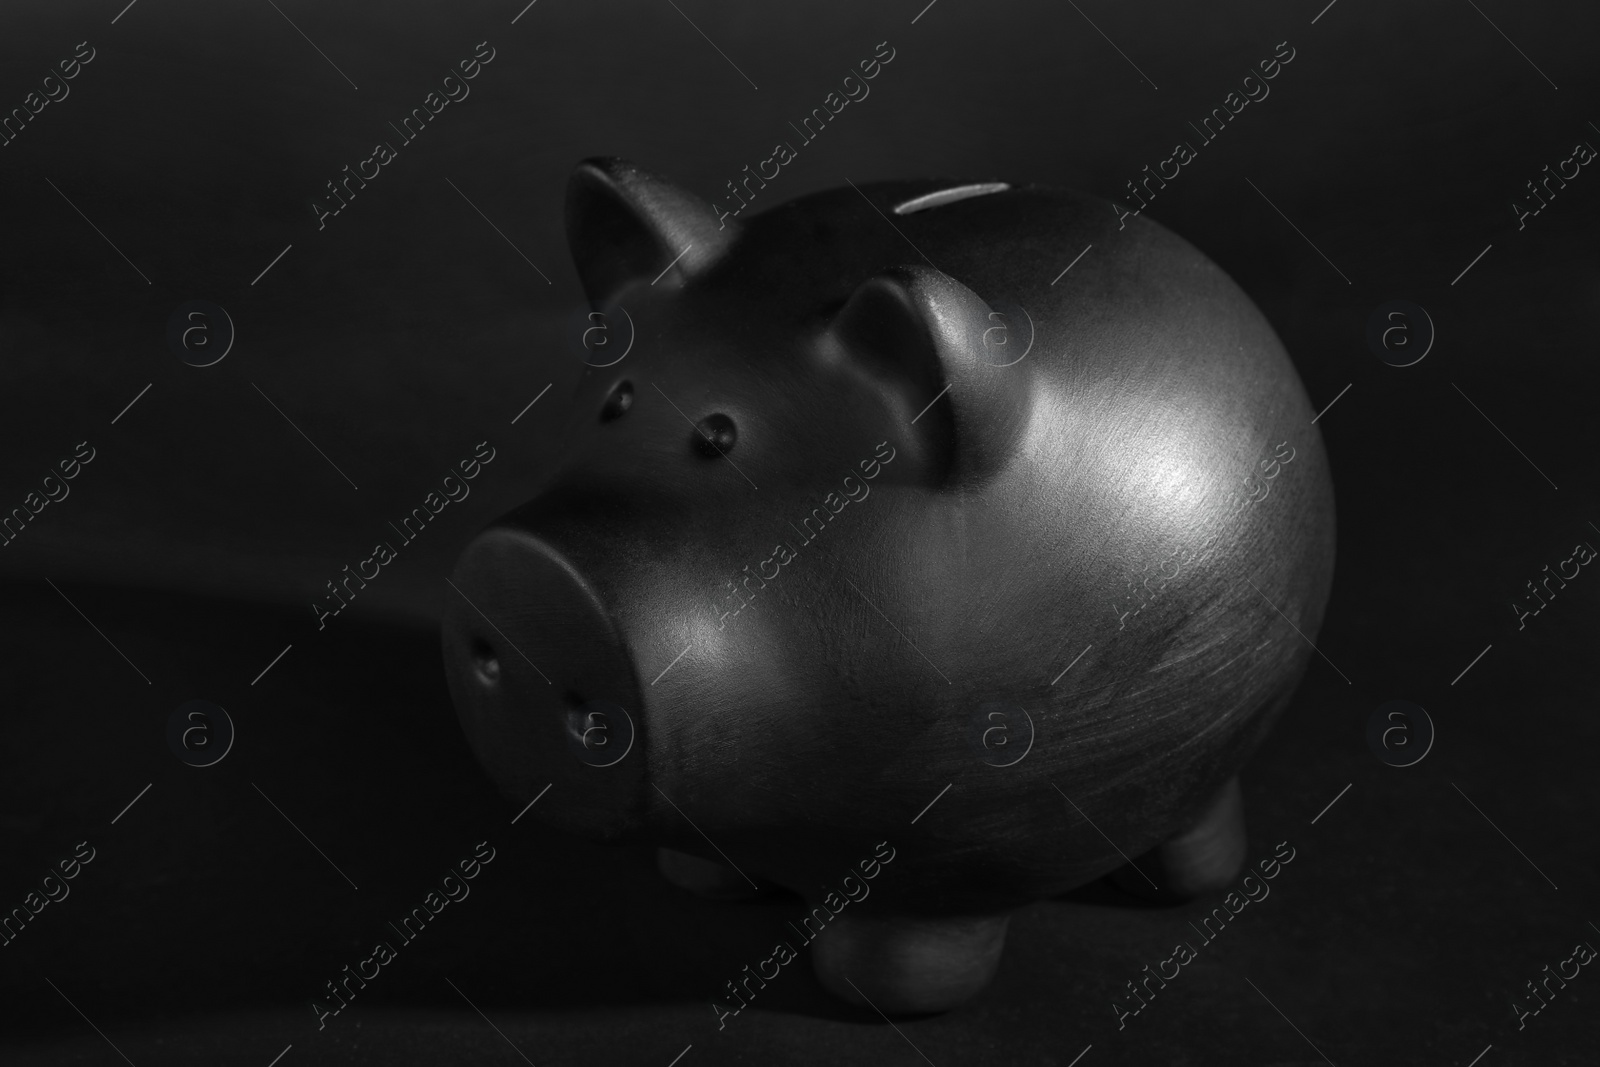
x: 894, y: 564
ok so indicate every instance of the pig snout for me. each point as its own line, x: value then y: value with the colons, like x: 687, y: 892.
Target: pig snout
x: 545, y: 686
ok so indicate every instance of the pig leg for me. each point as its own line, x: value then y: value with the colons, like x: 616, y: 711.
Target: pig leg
x: 705, y: 878
x: 1202, y: 859
x: 903, y: 964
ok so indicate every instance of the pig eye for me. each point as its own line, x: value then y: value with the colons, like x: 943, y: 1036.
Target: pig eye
x: 618, y: 403
x: 714, y: 435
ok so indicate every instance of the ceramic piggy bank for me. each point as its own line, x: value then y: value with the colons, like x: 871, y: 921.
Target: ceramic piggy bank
x: 895, y: 563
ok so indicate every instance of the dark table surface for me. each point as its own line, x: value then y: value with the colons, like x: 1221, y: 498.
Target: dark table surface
x: 1417, y: 905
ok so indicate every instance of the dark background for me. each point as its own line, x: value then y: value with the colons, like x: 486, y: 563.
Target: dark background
x: 408, y: 330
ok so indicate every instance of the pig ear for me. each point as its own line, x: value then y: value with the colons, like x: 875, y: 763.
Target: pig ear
x: 922, y: 334
x: 625, y: 223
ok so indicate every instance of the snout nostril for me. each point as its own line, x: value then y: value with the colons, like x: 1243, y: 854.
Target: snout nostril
x: 487, y: 663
